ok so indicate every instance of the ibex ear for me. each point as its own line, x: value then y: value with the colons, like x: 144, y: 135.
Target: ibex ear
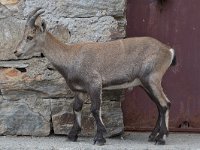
x: 40, y: 24
x: 43, y: 25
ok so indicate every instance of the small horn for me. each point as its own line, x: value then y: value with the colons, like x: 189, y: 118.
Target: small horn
x: 34, y: 17
x: 33, y: 12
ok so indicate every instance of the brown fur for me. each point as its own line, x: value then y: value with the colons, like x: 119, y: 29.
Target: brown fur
x: 92, y: 67
x: 109, y: 60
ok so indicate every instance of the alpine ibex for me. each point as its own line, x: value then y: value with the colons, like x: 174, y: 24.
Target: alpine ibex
x: 93, y: 67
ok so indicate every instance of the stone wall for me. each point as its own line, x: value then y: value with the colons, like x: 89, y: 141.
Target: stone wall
x: 34, y: 99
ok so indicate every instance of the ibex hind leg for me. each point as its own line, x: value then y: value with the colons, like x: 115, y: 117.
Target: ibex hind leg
x: 155, y: 91
x: 77, y: 107
x: 154, y: 133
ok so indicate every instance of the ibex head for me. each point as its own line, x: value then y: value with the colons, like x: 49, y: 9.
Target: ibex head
x: 33, y: 34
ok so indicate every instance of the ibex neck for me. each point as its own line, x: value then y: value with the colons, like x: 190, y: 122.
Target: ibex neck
x: 54, y: 49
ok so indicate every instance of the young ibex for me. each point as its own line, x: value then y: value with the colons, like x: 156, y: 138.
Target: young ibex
x: 93, y: 67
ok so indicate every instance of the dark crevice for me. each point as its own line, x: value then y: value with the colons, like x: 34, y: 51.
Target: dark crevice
x: 79, y: 17
x: 88, y: 17
x: 0, y: 92
x: 184, y: 124
x: 50, y: 68
x: 22, y: 69
x: 70, y: 34
x: 42, y: 55
x: 161, y: 4
x: 51, y: 121
x: 51, y: 127
x: 118, y: 18
x: 58, y: 97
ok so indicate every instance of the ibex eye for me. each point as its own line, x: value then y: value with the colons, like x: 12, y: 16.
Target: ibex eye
x: 29, y: 38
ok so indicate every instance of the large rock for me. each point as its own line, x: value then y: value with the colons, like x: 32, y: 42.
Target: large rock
x: 25, y: 117
x: 23, y: 84
x: 78, y: 8
x: 33, y: 77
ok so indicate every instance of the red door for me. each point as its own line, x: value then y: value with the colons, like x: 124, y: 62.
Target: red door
x: 178, y: 25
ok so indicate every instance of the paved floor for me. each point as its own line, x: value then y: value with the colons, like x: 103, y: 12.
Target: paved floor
x: 132, y: 141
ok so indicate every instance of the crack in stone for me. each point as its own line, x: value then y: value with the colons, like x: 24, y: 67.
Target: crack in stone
x: 51, y: 119
x: 89, y: 17
x: 30, y: 108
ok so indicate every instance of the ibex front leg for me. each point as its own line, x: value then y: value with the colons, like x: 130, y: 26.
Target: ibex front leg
x: 77, y: 107
x: 96, y: 97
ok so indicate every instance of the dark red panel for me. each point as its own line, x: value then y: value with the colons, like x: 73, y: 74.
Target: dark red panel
x: 177, y: 25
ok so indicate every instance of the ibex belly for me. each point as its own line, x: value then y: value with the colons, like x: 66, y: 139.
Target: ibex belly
x: 134, y: 83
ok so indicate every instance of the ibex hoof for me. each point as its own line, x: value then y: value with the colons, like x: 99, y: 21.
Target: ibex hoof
x: 73, y: 138
x: 160, y: 140
x: 152, y: 138
x: 99, y: 142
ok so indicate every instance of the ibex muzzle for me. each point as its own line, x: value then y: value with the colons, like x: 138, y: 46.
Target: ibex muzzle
x: 93, y: 67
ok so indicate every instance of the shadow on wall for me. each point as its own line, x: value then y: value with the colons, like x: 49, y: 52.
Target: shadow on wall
x: 161, y: 4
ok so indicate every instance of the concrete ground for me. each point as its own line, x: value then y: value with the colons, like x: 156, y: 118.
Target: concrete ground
x: 132, y: 141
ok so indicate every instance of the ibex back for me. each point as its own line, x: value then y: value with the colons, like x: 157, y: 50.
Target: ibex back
x: 93, y: 67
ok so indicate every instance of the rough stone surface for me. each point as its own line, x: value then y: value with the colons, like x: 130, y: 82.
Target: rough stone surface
x: 25, y: 117
x: 92, y: 29
x: 11, y: 30
x: 34, y: 98
x: 78, y: 8
x: 4, y: 11
x: 36, y: 79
